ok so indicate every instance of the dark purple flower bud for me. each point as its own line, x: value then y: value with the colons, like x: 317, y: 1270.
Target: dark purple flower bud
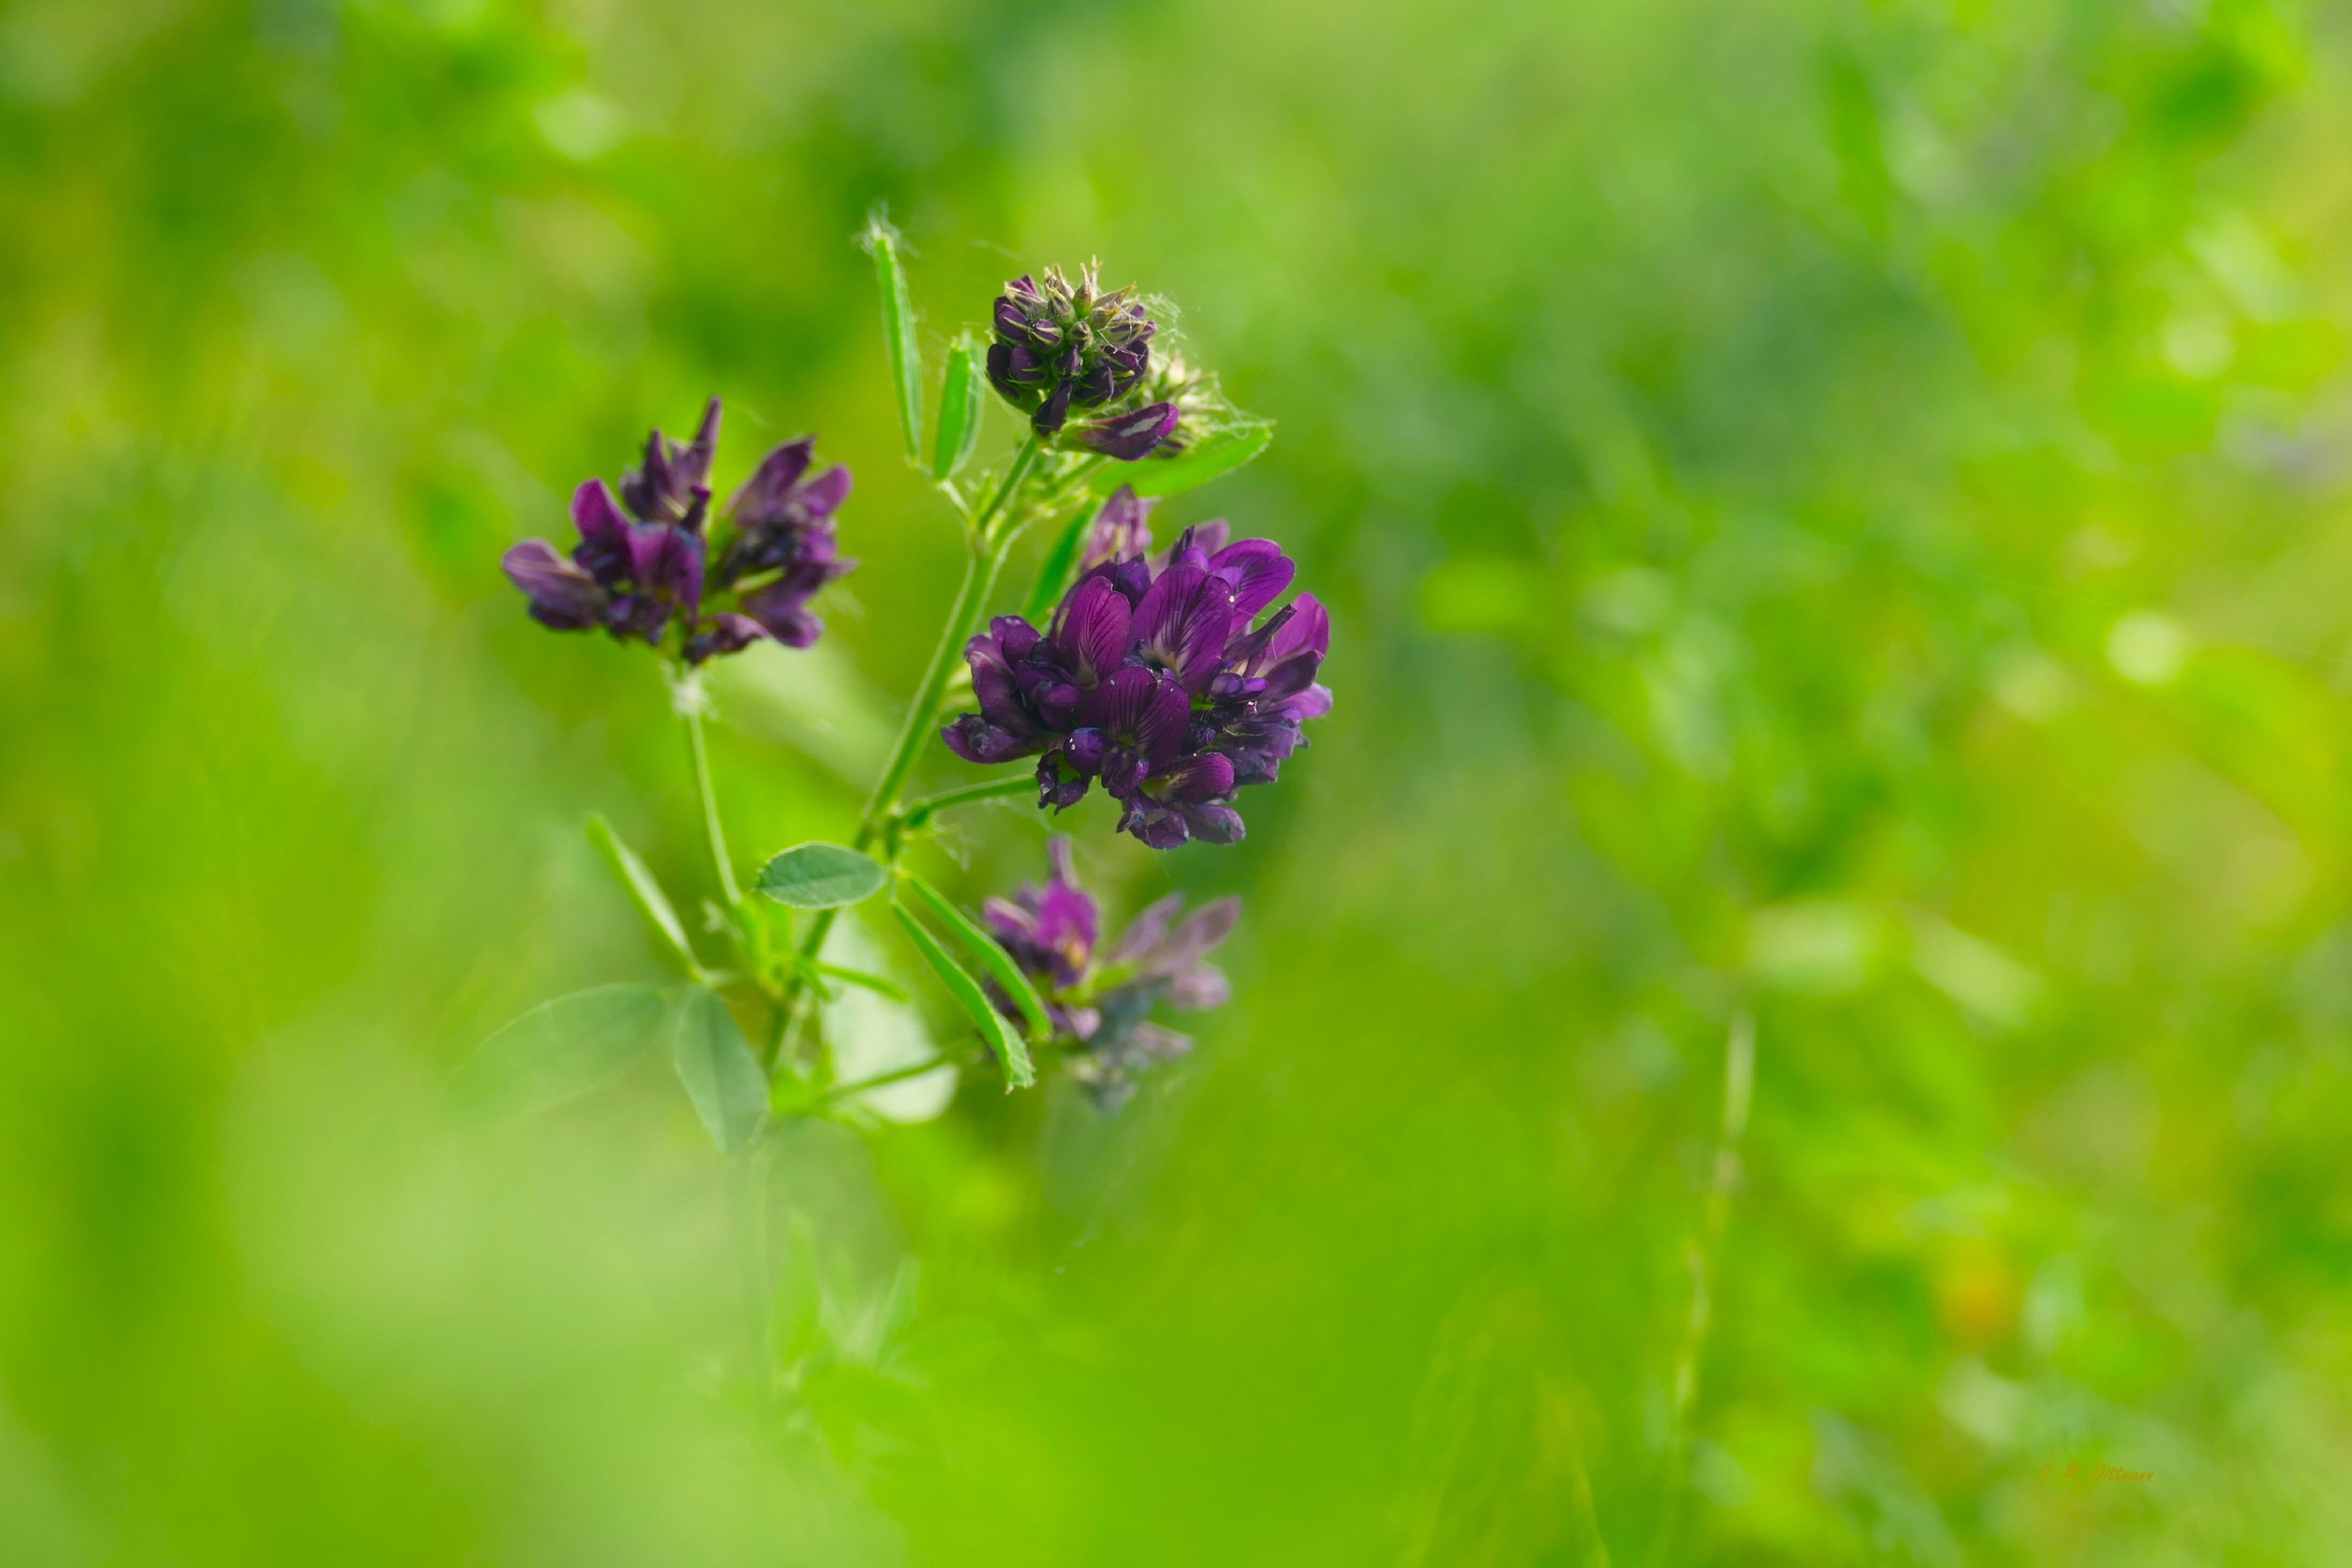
x: 1060, y: 346
x: 1132, y: 437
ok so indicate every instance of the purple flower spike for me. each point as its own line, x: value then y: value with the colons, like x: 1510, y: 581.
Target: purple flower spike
x: 1132, y: 437
x: 643, y: 561
x: 1061, y: 345
x: 1152, y: 680
x: 1100, y: 995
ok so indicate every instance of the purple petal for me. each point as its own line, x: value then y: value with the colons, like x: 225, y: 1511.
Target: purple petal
x: 762, y: 495
x: 783, y: 607
x: 1129, y: 438
x: 1199, y: 988
x: 667, y: 560
x: 822, y: 495
x: 1010, y: 920
x: 1055, y: 412
x: 1182, y: 622
x: 562, y: 596
x: 598, y: 515
x: 1190, y: 939
x: 724, y: 634
x: 1144, y: 710
x: 1213, y: 822
x: 1203, y: 776
x: 1145, y: 930
x: 1257, y: 570
x: 975, y: 740
x: 694, y: 463
x: 1158, y: 827
x: 1309, y: 630
x: 1092, y: 632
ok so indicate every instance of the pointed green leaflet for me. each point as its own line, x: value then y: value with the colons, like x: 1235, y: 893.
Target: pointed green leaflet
x: 1011, y: 1052
x: 985, y: 949
x: 899, y: 330
x: 960, y: 401
x: 645, y: 892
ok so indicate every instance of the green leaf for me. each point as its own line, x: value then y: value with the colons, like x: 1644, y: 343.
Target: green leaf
x: 562, y: 1050
x: 899, y: 330
x: 821, y: 877
x: 715, y: 1063
x: 1011, y: 1052
x: 986, y: 951
x: 960, y: 405
x: 1218, y: 453
x: 646, y: 894
x: 1054, y: 571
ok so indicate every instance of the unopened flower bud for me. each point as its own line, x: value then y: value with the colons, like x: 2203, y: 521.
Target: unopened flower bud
x: 1061, y: 346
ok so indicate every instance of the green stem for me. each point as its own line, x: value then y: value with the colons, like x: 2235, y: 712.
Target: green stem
x: 692, y: 704
x: 913, y: 813
x: 883, y: 1080
x: 982, y: 565
x: 1738, y: 1082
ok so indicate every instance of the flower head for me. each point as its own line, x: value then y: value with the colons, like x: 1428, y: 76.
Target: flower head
x: 643, y: 560
x: 1155, y: 678
x: 1063, y: 345
x: 1100, y: 995
x: 783, y: 525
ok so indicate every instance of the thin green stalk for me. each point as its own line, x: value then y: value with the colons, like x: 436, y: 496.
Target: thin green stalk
x: 883, y: 1080
x: 691, y: 703
x: 915, y: 813
x: 1738, y: 1082
x: 983, y: 566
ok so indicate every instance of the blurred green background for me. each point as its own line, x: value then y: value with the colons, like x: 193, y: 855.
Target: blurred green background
x: 1836, y: 510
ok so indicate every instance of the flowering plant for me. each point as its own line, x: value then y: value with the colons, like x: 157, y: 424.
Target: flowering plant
x: 1173, y: 679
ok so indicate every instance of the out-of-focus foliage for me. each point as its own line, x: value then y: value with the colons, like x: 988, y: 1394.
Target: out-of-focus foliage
x: 1833, y: 510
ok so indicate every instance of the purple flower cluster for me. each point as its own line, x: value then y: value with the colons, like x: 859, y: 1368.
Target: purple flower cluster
x: 1062, y: 346
x: 637, y: 571
x: 1100, y: 999
x: 1153, y: 679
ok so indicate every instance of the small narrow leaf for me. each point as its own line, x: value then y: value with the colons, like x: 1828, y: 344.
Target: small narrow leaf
x: 898, y: 331
x: 1054, y: 571
x: 715, y: 1063
x: 985, y: 951
x: 960, y: 405
x: 821, y: 877
x: 562, y: 1050
x: 1213, y: 456
x: 646, y: 894
x: 1012, y: 1053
